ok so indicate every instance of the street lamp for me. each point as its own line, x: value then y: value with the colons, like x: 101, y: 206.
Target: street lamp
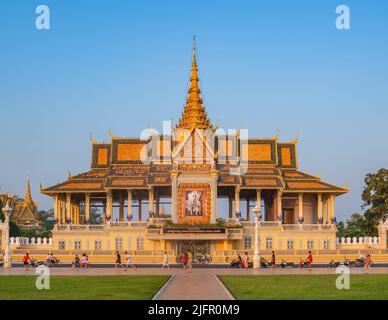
x: 256, y: 252
x: 7, y: 210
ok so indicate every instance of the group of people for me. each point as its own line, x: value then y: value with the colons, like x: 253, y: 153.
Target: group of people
x: 82, y: 262
x: 187, y: 261
x: 128, y: 261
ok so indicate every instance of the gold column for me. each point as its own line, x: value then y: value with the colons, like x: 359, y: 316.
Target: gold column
x: 258, y: 200
x: 129, y: 213
x: 157, y: 209
x: 121, y: 206
x: 300, y: 206
x: 103, y: 211
x: 237, y: 202
x: 139, y: 209
x: 324, y: 205
x: 109, y: 205
x: 151, y: 202
x: 319, y: 207
x: 248, y: 216
x: 279, y: 208
x: 331, y: 208
x: 56, y: 209
x: 230, y: 206
x: 87, y: 208
x: 68, y: 208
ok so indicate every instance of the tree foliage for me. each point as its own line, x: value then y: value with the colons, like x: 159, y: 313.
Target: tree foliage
x: 375, y: 197
x: 353, y: 227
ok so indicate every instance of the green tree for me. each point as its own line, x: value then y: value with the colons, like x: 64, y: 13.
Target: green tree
x: 353, y: 227
x: 375, y: 197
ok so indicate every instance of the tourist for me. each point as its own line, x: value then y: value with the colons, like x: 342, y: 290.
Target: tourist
x: 26, y: 261
x: 239, y: 261
x: 367, y: 263
x: 128, y: 260
x: 118, y: 260
x: 273, y: 260
x: 84, y: 261
x: 165, y: 260
x: 184, y: 261
x: 189, y: 261
x: 310, y: 260
x: 246, y: 260
x: 76, y: 262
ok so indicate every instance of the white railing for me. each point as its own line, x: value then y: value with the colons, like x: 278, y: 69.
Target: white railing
x: 22, y: 241
x: 357, y: 241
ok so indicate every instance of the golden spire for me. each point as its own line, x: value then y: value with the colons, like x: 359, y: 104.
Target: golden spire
x: 28, y: 198
x: 194, y: 114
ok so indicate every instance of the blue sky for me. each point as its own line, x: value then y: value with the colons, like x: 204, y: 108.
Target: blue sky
x: 125, y: 64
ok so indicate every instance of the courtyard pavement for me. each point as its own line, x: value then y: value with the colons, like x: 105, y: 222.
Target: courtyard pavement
x: 201, y: 284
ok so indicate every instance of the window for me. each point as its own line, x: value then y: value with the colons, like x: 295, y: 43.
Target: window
x: 326, y: 244
x: 118, y: 243
x: 62, y: 245
x: 247, y: 243
x: 310, y: 244
x: 77, y: 245
x: 290, y: 244
x: 140, y: 243
x: 268, y: 243
x: 97, y: 245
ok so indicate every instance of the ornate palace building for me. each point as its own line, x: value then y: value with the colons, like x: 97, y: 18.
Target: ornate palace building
x: 187, y: 188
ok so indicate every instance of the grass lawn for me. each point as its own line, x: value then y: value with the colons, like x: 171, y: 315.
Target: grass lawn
x: 82, y: 287
x: 309, y: 287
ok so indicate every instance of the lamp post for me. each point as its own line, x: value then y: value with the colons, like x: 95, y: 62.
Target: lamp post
x: 256, y: 252
x: 7, y: 210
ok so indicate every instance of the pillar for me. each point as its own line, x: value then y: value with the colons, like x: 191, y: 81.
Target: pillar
x: 230, y: 206
x: 174, y: 197
x: 331, y: 208
x: 56, y: 209
x: 248, y: 203
x: 68, y: 208
x: 157, y: 205
x: 151, y: 202
x: 121, y: 206
x: 300, y: 207
x: 140, y: 205
x: 213, y: 197
x: 237, y: 202
x: 319, y: 208
x: 129, y: 213
x: 104, y: 211
x: 109, y: 205
x: 279, y: 208
x: 87, y: 208
x: 258, y: 200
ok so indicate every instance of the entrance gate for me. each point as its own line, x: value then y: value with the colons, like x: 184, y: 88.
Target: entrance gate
x: 201, y: 250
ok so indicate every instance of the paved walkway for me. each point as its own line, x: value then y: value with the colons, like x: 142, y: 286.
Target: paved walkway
x: 202, y: 284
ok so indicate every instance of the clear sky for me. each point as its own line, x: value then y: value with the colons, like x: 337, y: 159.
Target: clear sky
x: 125, y: 65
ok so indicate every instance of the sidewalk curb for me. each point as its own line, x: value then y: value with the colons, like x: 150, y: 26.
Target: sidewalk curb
x: 163, y: 288
x: 228, y: 293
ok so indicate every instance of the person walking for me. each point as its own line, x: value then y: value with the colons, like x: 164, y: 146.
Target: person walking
x: 26, y: 262
x: 128, y: 260
x: 118, y: 260
x: 189, y: 261
x: 367, y: 263
x: 310, y: 260
x: 246, y: 260
x: 184, y: 261
x: 273, y: 260
x: 165, y: 260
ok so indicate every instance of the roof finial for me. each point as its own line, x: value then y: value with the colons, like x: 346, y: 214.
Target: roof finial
x: 28, y: 198
x: 194, y: 50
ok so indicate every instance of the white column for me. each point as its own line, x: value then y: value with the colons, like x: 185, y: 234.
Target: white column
x: 256, y: 252
x: 7, y: 210
x: 87, y: 208
x: 68, y: 208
